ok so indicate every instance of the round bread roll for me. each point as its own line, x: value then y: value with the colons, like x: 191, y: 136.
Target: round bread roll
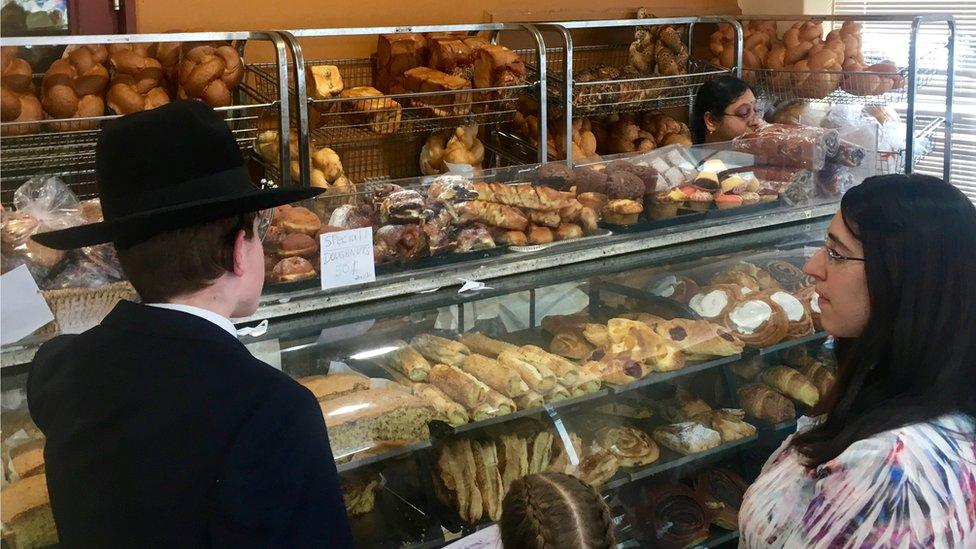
x: 298, y: 219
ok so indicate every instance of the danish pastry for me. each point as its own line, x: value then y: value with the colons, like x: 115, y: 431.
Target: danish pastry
x: 631, y: 447
x: 689, y: 437
x: 758, y: 321
x: 699, y: 339
x: 678, y: 288
x: 714, y: 302
x: 800, y: 322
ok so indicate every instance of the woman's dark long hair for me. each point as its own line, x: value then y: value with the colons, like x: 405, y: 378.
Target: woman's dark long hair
x: 714, y: 96
x: 916, y: 359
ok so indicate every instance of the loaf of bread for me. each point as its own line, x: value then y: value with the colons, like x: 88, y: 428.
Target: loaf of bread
x: 445, y: 409
x: 25, y: 510
x: 139, y: 80
x: 329, y: 386
x: 454, y: 54
x: 496, y: 374
x: 395, y: 55
x: 497, y: 67
x: 19, y: 104
x: 381, y: 114
x: 73, y: 88
x: 359, y: 420
x: 453, y: 102
x: 210, y: 73
x: 482, y: 344
x: 28, y: 458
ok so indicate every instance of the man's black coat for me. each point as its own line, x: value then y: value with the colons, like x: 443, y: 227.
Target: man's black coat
x: 163, y: 431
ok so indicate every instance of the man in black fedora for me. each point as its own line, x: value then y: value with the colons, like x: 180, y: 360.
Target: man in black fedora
x: 162, y: 429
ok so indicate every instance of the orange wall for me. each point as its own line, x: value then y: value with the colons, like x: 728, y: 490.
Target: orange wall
x: 214, y: 15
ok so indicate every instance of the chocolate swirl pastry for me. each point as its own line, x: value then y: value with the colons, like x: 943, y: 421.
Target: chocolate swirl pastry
x: 721, y: 491
x: 788, y: 275
x: 671, y: 517
x: 631, y: 447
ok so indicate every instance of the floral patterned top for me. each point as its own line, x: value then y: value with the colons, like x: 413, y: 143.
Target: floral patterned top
x: 909, y: 487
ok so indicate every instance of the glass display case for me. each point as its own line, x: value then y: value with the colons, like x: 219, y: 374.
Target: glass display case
x: 664, y: 377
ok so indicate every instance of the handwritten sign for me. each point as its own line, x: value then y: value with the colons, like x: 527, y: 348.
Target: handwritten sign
x: 347, y: 258
x: 24, y: 309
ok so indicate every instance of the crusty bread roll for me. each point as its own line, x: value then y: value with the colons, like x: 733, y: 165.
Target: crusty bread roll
x: 19, y: 104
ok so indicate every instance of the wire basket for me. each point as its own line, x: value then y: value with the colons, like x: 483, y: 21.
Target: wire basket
x: 893, y: 162
x: 78, y: 309
x: 842, y: 87
x: 70, y: 155
x: 599, y: 87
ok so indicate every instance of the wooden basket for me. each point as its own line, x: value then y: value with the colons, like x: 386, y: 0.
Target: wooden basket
x: 78, y: 309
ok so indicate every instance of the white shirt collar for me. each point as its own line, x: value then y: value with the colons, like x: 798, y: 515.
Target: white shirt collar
x: 210, y: 316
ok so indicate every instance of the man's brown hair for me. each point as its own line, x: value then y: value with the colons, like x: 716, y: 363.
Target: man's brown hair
x: 555, y: 511
x: 183, y: 261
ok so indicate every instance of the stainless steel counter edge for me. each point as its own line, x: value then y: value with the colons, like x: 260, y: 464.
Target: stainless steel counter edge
x: 306, y: 301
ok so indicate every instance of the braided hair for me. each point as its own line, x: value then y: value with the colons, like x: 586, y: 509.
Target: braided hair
x: 555, y: 511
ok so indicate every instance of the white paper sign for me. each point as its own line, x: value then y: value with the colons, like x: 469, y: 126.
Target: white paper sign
x: 24, y: 309
x: 347, y: 258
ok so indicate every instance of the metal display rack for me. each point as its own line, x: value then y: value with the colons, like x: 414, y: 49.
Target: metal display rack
x: 377, y: 151
x: 782, y: 84
x: 70, y: 155
x: 596, y: 94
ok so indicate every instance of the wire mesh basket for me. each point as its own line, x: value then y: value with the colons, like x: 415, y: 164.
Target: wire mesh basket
x: 66, y: 147
x: 601, y: 86
x: 894, y: 162
x: 843, y: 87
x: 380, y: 136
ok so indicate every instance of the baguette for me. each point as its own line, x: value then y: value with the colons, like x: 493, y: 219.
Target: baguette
x: 500, y: 377
x: 459, y: 386
x: 530, y: 400
x: 409, y: 362
x: 482, y: 344
x: 446, y: 409
x: 541, y: 452
x: 556, y: 394
x: 537, y: 376
x: 566, y: 372
x: 439, y: 349
x: 499, y: 403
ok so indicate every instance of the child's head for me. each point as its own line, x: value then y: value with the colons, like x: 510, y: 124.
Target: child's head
x: 553, y: 510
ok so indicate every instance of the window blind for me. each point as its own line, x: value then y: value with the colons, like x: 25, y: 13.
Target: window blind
x: 892, y: 40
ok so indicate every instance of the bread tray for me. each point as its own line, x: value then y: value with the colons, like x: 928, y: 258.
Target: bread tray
x: 773, y: 349
x: 647, y: 225
x: 600, y: 233
x: 718, y: 213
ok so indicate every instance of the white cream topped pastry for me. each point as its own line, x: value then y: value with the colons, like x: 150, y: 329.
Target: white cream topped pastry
x: 815, y: 303
x: 750, y: 316
x: 709, y: 305
x: 665, y: 286
x: 792, y: 306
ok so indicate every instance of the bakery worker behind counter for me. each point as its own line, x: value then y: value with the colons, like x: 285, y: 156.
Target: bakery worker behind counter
x: 724, y: 109
x: 162, y: 429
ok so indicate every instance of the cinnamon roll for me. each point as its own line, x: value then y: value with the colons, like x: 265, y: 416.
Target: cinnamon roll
x: 789, y: 276
x: 721, y: 491
x: 672, y: 517
x: 631, y: 447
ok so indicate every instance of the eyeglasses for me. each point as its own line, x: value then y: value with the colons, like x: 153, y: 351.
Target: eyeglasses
x: 745, y: 116
x: 834, y: 255
x: 264, y: 222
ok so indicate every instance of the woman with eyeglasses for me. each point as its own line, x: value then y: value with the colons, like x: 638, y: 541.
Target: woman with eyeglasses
x: 888, y: 458
x: 724, y: 108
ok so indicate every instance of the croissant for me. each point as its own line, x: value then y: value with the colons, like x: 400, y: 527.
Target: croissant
x: 821, y: 376
x: 791, y: 383
x: 764, y: 403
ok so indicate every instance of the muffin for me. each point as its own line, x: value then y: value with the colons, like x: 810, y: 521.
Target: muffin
x: 664, y: 205
x: 556, y: 175
x: 625, y: 185
x: 588, y: 180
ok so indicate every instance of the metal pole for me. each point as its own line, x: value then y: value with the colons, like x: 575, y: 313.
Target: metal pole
x: 301, y: 112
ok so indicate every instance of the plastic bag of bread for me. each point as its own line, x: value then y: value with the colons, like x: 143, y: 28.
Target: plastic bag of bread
x: 789, y: 145
x: 41, y: 205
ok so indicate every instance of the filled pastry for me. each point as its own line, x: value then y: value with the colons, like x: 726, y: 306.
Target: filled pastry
x: 699, y: 339
x: 678, y: 288
x: 631, y: 447
x: 689, y: 437
x: 761, y: 402
x: 789, y: 276
x: 714, y: 302
x: 800, y: 321
x: 570, y: 344
x: 758, y: 321
x: 643, y: 344
x: 617, y: 369
x: 811, y: 301
x: 729, y: 423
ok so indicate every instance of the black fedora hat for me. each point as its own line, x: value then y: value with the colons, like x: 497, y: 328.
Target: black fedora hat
x: 165, y: 169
